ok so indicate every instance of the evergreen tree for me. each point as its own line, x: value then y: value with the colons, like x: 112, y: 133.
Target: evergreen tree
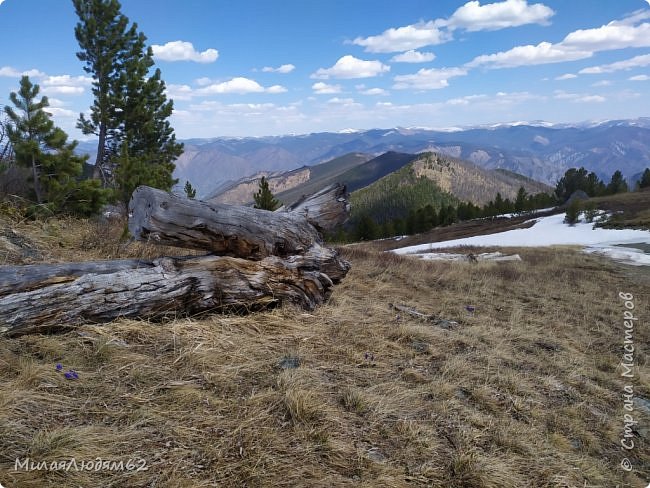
x: 264, y: 199
x: 190, y: 191
x: 104, y: 37
x: 594, y: 186
x: 573, y: 212
x: 644, y: 182
x: 367, y: 229
x: 129, y: 106
x: 399, y: 226
x: 617, y: 184
x: 45, y: 150
x: 578, y: 179
x: 146, y: 110
x: 520, y: 201
x: 499, y: 204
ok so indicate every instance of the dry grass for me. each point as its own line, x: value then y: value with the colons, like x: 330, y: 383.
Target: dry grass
x: 525, y: 392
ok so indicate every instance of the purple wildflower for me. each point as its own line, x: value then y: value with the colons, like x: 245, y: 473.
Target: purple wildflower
x: 71, y: 374
x: 59, y: 366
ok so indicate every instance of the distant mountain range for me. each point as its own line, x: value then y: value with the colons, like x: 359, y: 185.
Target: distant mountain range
x: 539, y: 150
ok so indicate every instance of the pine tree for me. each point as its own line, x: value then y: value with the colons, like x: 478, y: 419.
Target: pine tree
x: 146, y: 111
x: 104, y: 37
x: 190, y: 191
x: 367, y: 229
x: 45, y: 149
x: 129, y: 106
x: 617, y: 184
x: 520, y: 201
x: 499, y: 204
x: 573, y: 212
x: 264, y: 199
x: 644, y: 182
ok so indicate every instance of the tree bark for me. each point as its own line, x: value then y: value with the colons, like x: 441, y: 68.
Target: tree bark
x: 163, y: 218
x: 266, y: 258
x: 37, y: 181
x: 47, y: 297
x: 326, y: 209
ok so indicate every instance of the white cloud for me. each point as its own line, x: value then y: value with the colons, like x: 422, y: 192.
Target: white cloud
x: 343, y: 102
x: 602, y: 83
x: 466, y: 100
x: 494, y: 16
x: 238, y: 85
x: 276, y: 89
x: 609, y: 37
x: 183, y: 51
x: 578, y: 97
x: 204, y: 81
x: 64, y: 90
x: 568, y: 76
x: 321, y: 88
x: 60, y: 112
x: 55, y: 102
x: 404, y: 38
x: 428, y: 79
x: 67, y: 80
x: 350, y: 67
x: 285, y: 68
x: 179, y: 92
x: 472, y: 16
x: 413, y: 56
x: 579, y: 44
x: 639, y: 78
x: 65, y: 84
x: 373, y: 91
x: 635, y: 62
x: 591, y: 99
x: 543, y: 53
x: 9, y: 72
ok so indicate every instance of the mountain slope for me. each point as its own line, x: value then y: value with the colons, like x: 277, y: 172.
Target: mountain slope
x: 356, y: 177
x: 289, y: 186
x: 435, y: 179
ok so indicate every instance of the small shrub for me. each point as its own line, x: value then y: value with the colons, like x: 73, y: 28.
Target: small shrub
x: 573, y: 212
x: 590, y: 211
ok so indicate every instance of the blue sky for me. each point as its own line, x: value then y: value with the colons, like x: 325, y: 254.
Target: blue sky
x: 267, y: 67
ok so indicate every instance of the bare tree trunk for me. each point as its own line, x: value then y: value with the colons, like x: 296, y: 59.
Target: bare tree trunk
x: 53, y: 297
x: 229, y: 230
x: 98, y: 171
x: 37, y: 181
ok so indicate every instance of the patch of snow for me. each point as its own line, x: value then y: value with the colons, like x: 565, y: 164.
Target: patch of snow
x: 627, y: 255
x: 349, y: 131
x: 548, y: 231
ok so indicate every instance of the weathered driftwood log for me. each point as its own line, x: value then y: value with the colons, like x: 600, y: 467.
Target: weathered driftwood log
x: 56, y: 296
x: 228, y: 230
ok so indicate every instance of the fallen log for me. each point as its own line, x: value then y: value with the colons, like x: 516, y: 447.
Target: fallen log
x: 228, y: 230
x: 56, y: 296
x: 265, y: 258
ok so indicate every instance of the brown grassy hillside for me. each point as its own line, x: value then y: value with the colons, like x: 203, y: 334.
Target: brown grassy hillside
x: 525, y: 392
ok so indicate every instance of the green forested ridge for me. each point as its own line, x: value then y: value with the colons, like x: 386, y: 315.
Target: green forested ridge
x: 394, y: 195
